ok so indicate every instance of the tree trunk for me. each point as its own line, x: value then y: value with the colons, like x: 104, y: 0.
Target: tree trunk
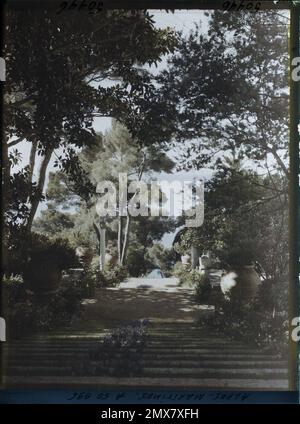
x: 280, y: 162
x: 32, y: 159
x: 39, y: 190
x: 100, y: 232
x: 128, y: 219
x: 102, y: 248
x: 120, y: 234
x: 126, y: 239
x: 5, y: 201
x: 194, y: 257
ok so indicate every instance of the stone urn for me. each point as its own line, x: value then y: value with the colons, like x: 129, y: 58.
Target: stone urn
x: 185, y: 259
x: 43, y: 278
x: 240, y: 283
x: 204, y: 262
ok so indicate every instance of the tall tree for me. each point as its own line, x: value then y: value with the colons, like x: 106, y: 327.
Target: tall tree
x: 230, y: 87
x: 244, y: 213
x: 56, y: 66
x: 119, y: 153
x: 108, y: 156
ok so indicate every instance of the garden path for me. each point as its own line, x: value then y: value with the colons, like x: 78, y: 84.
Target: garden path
x: 178, y: 353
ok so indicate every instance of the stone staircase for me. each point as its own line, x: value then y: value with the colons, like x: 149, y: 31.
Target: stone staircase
x: 177, y: 355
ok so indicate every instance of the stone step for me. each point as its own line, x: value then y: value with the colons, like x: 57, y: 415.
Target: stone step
x: 212, y: 339
x: 151, y: 345
x: 157, y: 350
x: 156, y: 354
x: 147, y: 383
x: 269, y: 373
x: 152, y: 363
x: 150, y: 342
x: 199, y: 372
x: 207, y: 351
x: 177, y: 343
x: 177, y: 354
x: 217, y: 363
x: 154, y: 351
x: 201, y: 356
x: 39, y: 370
x: 44, y: 349
x: 92, y: 337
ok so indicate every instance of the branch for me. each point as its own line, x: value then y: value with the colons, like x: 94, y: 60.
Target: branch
x: 14, y: 142
x: 20, y: 102
x: 32, y: 159
x: 280, y: 162
x: 39, y: 190
x: 20, y: 139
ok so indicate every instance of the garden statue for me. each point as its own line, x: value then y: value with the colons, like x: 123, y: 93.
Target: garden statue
x: 204, y: 261
x: 85, y: 256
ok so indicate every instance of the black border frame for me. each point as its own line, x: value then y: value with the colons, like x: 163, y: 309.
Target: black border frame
x: 294, y: 51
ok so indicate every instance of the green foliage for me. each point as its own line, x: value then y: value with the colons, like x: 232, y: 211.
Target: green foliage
x: 51, y: 251
x: 181, y: 271
x: 193, y: 278
x: 53, y: 223
x: 115, y: 275
x: 27, y: 314
x: 162, y: 258
x: 137, y: 262
x: 119, y: 353
x: 263, y: 321
x: 202, y: 288
x: 54, y: 75
x: 208, y: 78
x: 88, y: 283
x: 63, y: 308
x: 110, y: 154
x: 246, y: 220
x: 242, y: 55
x: 13, y: 288
x: 55, y: 108
x: 240, y: 255
x: 29, y: 250
x: 183, y: 246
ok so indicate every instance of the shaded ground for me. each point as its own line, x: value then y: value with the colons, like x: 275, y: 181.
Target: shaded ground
x: 159, y: 299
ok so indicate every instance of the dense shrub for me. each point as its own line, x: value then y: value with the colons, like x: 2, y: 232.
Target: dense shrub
x: 18, y: 308
x: 238, y: 256
x: 264, y: 321
x: 118, y: 353
x: 202, y: 287
x: 63, y: 308
x: 193, y: 278
x: 29, y: 251
x: 26, y: 313
x: 54, y: 251
x: 114, y: 275
x: 181, y: 272
x: 13, y: 289
x: 136, y: 262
